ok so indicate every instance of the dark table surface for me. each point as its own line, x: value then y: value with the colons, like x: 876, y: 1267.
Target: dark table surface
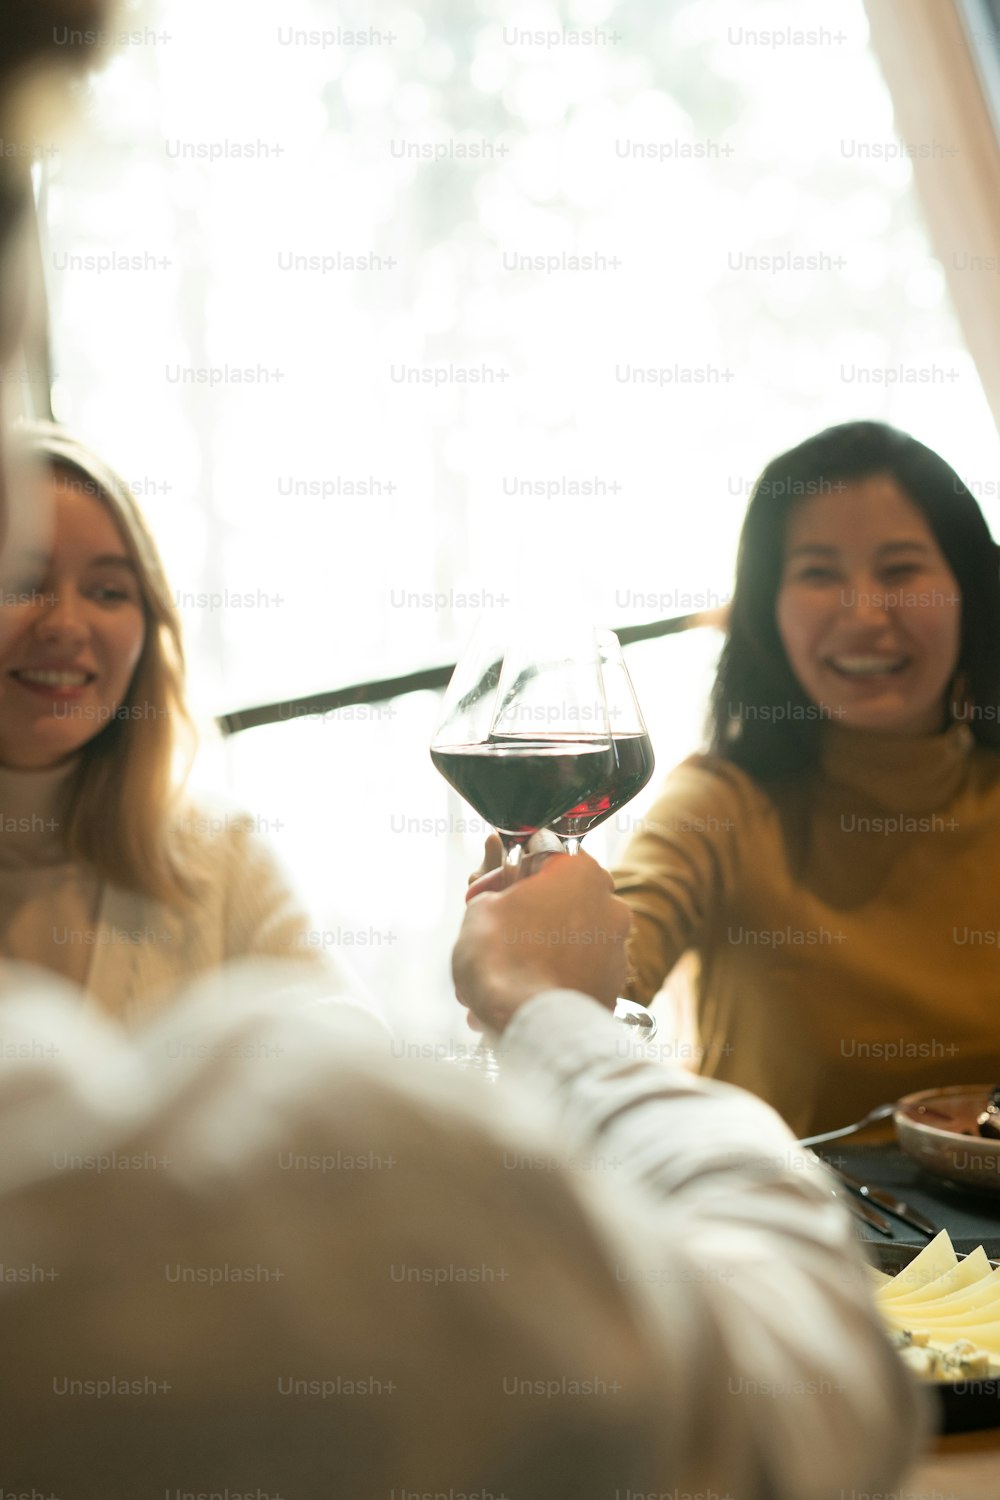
x: 970, y: 1218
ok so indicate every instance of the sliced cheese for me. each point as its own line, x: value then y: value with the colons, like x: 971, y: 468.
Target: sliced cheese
x: 986, y: 1336
x: 959, y: 1306
x: 972, y: 1280
x: 968, y: 1318
x: 934, y: 1260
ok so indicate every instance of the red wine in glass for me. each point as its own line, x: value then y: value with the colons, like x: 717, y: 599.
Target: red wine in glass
x: 521, y: 785
x: 631, y: 770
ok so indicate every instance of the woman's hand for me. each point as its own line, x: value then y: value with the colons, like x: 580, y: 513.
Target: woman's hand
x: 491, y: 875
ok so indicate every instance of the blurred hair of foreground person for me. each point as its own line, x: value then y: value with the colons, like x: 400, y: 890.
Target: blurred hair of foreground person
x: 107, y: 876
x: 832, y: 859
x: 44, y: 45
x: 289, y: 1259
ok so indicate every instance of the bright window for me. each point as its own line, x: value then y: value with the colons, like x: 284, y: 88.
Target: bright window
x: 410, y: 307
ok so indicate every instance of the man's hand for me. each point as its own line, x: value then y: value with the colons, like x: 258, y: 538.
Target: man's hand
x: 561, y: 929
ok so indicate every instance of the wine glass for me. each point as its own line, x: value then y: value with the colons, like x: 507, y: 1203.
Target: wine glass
x: 525, y: 738
x: 631, y: 767
x: 524, y: 731
x: 632, y: 754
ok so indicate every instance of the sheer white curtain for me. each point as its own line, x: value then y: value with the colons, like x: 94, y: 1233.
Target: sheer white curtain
x: 944, y: 119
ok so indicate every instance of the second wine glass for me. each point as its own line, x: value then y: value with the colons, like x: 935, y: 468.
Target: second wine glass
x: 631, y: 763
x: 629, y: 770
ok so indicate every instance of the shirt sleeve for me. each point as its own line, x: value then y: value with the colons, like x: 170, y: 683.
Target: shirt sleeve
x: 676, y: 866
x: 783, y: 1382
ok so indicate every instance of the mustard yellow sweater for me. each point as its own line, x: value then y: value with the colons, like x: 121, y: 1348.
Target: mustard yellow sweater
x: 847, y: 921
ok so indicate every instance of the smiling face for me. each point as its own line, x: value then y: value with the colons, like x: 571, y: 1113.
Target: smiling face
x: 74, y: 628
x: 868, y: 610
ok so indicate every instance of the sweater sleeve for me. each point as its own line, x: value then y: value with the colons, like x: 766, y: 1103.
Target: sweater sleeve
x: 784, y: 1385
x: 676, y: 867
x: 263, y: 917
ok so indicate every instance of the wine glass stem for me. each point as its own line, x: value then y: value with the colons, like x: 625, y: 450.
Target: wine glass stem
x: 512, y: 853
x: 572, y: 845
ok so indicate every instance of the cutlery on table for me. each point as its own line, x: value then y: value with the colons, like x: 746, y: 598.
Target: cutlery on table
x: 864, y: 1211
x: 880, y: 1112
x: 892, y: 1205
x: 857, y: 1206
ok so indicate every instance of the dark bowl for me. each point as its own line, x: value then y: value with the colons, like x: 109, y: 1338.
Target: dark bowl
x: 938, y: 1129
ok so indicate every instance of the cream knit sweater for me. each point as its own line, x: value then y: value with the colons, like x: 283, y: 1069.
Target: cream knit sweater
x: 124, y: 949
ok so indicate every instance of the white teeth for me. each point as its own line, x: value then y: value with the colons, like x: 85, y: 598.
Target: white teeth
x: 53, y: 679
x: 867, y: 666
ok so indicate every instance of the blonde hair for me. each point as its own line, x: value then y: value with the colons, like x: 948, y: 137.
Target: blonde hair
x: 123, y: 796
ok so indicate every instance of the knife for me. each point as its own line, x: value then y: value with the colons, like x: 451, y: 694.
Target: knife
x: 864, y: 1211
x: 892, y: 1205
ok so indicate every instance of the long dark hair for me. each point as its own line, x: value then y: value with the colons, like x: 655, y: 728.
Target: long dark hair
x: 754, y: 674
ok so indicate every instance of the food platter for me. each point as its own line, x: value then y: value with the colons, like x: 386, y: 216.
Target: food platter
x: 969, y: 1402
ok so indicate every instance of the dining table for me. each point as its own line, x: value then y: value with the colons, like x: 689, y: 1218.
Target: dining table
x: 956, y: 1465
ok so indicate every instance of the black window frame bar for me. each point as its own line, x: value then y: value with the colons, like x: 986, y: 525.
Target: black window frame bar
x: 429, y: 679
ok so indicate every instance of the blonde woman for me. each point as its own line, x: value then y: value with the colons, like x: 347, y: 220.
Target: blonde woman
x: 108, y: 876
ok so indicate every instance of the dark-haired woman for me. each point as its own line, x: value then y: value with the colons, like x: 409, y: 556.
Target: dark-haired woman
x: 834, y: 861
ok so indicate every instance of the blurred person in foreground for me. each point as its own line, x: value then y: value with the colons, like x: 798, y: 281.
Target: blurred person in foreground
x: 109, y: 874
x: 244, y: 1250
x: 831, y: 860
x: 255, y: 1249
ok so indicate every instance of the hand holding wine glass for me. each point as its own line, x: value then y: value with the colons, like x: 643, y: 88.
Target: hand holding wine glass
x: 517, y: 943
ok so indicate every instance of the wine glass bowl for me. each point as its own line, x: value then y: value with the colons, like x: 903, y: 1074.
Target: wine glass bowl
x: 632, y: 762
x: 524, y: 732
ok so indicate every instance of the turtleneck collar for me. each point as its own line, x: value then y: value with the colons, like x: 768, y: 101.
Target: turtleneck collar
x: 911, y: 774
x: 32, y: 808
